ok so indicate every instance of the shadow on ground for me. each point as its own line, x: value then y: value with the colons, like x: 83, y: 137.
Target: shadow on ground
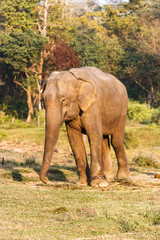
x: 141, y: 172
x: 16, y: 171
x: 29, y: 172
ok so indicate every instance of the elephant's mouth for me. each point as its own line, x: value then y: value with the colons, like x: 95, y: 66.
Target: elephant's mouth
x: 69, y: 117
x: 71, y: 113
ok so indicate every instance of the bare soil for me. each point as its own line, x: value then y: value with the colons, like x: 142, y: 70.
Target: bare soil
x: 19, y: 151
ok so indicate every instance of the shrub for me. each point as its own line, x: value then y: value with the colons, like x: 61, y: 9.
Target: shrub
x: 31, y: 162
x: 41, y: 115
x: 139, y: 112
x: 156, y: 116
x: 5, y: 118
x: 153, y: 216
x: 146, y: 160
x: 19, y: 124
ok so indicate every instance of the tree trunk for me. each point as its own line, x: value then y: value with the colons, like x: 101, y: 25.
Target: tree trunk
x: 39, y: 80
x: 30, y: 105
x: 149, y: 98
x: 39, y: 94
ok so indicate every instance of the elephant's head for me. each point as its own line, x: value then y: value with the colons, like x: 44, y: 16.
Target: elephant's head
x: 65, y: 93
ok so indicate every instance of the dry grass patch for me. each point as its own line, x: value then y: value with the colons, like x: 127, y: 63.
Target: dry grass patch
x: 127, y: 209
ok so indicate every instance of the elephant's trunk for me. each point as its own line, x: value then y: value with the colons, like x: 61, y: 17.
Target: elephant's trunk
x: 53, y: 122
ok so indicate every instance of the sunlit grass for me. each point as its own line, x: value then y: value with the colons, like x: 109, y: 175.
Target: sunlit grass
x: 52, y: 212
x: 63, y: 210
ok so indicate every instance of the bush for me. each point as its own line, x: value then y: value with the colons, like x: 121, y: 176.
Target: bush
x: 41, y: 115
x: 31, y: 162
x: 139, y: 112
x: 4, y: 118
x: 156, y: 116
x: 3, y: 134
x: 146, y: 160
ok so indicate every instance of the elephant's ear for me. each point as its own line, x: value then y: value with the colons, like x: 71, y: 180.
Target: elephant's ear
x: 87, y: 89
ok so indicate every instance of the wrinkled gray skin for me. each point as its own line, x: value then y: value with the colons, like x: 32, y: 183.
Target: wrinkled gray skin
x: 92, y: 102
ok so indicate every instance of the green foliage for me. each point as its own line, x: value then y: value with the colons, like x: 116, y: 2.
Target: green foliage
x: 104, y: 55
x: 16, y: 108
x: 4, y: 119
x: 142, y: 51
x: 18, y: 15
x: 146, y: 160
x: 21, y: 50
x: 139, y: 112
x: 3, y: 134
x: 156, y: 116
x: 9, y: 122
x: 19, y: 124
x: 122, y: 39
x: 41, y: 115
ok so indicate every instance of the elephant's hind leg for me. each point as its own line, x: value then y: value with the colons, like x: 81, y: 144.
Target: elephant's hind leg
x: 118, y: 145
x: 79, y: 152
x: 106, y: 159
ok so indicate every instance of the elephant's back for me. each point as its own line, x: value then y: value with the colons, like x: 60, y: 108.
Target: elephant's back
x: 107, y: 85
x: 101, y: 78
x: 112, y: 99
x: 111, y: 96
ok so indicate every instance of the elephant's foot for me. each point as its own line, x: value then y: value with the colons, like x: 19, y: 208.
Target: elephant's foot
x: 123, y: 173
x: 99, y: 181
x: 44, y: 179
x: 82, y: 182
x: 109, y: 176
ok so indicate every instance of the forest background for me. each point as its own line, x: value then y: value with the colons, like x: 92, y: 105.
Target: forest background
x: 37, y: 37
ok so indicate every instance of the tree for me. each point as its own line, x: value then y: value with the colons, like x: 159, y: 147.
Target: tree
x: 94, y: 44
x: 22, y: 57
x: 59, y: 56
x: 144, y: 58
x: 136, y: 25
x: 46, y: 18
x: 18, y: 15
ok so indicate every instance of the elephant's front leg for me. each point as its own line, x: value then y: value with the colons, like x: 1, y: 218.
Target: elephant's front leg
x: 79, y: 152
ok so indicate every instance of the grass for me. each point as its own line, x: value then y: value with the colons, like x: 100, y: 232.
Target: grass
x: 48, y: 212
x: 148, y: 160
x: 63, y: 210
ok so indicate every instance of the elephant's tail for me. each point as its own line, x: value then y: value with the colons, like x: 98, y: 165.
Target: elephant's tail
x: 126, y: 144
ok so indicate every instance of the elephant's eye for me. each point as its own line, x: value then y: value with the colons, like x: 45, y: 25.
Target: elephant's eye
x: 63, y: 101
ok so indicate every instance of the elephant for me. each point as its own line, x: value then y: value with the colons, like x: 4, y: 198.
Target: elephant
x: 90, y: 102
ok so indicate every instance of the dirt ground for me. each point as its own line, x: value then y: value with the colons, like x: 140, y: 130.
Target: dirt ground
x: 20, y: 151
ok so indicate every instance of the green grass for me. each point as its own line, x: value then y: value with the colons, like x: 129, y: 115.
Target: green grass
x: 63, y: 210
x: 50, y: 212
